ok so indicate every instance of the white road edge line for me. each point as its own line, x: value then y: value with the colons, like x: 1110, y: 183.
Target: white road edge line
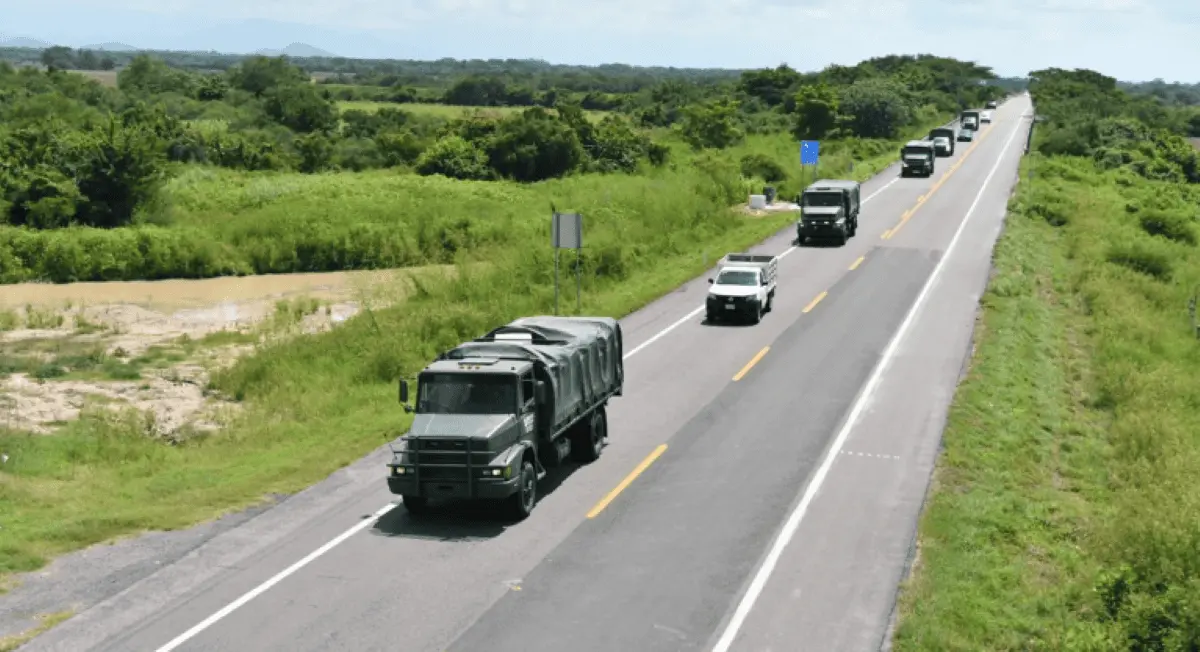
x: 793, y: 522
x: 283, y: 574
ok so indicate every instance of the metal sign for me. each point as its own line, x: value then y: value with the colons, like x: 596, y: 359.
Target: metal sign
x: 566, y: 231
x: 810, y: 152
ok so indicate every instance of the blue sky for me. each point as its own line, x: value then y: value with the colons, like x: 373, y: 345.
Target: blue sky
x: 1128, y: 39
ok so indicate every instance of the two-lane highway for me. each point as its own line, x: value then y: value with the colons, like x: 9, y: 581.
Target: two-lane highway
x: 654, y: 546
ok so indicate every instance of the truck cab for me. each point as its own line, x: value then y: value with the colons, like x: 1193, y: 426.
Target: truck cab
x: 969, y: 119
x: 744, y: 288
x: 917, y: 157
x: 829, y: 210
x: 949, y: 138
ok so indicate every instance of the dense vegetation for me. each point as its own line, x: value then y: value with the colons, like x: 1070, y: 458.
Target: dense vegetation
x: 178, y: 173
x: 1067, y: 508
x: 313, y: 404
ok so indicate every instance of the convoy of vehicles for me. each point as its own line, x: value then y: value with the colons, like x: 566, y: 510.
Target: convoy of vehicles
x: 743, y: 289
x: 948, y: 133
x: 917, y: 157
x: 493, y: 413
x: 829, y: 211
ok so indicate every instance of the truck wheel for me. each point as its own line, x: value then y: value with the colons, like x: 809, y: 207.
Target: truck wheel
x: 416, y: 505
x: 854, y: 228
x: 589, y: 441
x: 770, y: 302
x: 758, y: 313
x: 843, y: 238
x: 522, y: 502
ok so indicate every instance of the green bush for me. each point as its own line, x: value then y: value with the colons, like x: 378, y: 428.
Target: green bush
x: 1170, y: 225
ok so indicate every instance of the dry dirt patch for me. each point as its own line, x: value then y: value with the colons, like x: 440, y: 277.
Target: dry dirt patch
x: 151, y: 345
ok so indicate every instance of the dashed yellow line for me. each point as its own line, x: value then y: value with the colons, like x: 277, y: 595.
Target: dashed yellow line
x: 641, y: 468
x: 854, y: 265
x: 750, y: 365
x: 813, y: 304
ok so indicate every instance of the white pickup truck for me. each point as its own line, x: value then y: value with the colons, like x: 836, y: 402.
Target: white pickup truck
x: 744, y: 287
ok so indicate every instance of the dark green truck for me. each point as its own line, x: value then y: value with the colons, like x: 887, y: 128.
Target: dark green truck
x: 494, y: 413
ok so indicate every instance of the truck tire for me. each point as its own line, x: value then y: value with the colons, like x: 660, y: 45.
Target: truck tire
x: 588, y: 440
x: 843, y: 238
x: 854, y: 228
x: 416, y: 505
x: 758, y: 313
x: 770, y: 301
x: 521, y: 503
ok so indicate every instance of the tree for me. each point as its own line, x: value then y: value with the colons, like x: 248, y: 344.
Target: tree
x: 58, y: 57
x: 711, y: 125
x: 454, y: 157
x: 301, y: 108
x: 874, y: 108
x: 816, y: 111
x: 534, y: 146
x: 260, y: 74
x: 151, y: 76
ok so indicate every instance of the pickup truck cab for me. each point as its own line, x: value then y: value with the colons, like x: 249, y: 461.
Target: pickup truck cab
x: 743, y: 289
x: 917, y: 157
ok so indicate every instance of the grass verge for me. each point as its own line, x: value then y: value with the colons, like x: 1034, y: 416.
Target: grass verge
x: 1065, y: 509
x: 317, y: 403
x: 46, y: 622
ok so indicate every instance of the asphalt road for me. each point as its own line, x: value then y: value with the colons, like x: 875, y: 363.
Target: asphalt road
x: 675, y: 561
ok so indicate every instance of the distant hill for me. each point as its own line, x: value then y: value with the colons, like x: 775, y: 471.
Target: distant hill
x: 111, y: 47
x: 22, y: 42
x: 298, y: 50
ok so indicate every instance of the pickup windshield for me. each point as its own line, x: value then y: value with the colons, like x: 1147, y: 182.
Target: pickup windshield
x: 821, y: 199
x: 737, y: 277
x: 450, y: 393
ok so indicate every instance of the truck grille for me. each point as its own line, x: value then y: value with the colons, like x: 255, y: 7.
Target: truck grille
x: 447, y: 460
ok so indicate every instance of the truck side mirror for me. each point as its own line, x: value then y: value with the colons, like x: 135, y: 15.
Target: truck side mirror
x: 539, y: 392
x: 403, y: 391
x: 710, y: 281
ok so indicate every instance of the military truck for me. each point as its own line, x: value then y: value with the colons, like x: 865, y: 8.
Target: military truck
x: 969, y: 119
x: 744, y: 287
x: 829, y: 210
x: 494, y: 413
x: 951, y: 136
x: 917, y: 157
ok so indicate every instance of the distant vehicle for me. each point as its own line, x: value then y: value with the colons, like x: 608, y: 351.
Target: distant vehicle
x: 829, y: 210
x: 744, y: 287
x: 991, y: 105
x: 942, y: 146
x: 917, y: 157
x: 493, y: 413
x: 950, y: 133
x: 969, y: 119
x: 966, y: 135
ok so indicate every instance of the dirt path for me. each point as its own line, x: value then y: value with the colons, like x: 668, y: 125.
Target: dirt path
x: 151, y: 345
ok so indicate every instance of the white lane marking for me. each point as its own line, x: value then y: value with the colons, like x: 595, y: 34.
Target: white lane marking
x: 262, y: 588
x: 793, y: 522
x: 688, y: 317
x: 265, y: 586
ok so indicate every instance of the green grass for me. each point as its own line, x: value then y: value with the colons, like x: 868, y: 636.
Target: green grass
x: 1065, y: 511
x: 447, y: 111
x: 226, y: 222
x: 316, y: 403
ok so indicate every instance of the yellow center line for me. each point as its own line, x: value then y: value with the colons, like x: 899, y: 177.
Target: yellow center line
x: 750, y: 365
x: 855, y: 264
x: 887, y: 235
x: 814, y: 302
x: 654, y: 455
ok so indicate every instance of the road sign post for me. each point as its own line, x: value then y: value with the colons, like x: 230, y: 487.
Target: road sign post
x: 566, y: 232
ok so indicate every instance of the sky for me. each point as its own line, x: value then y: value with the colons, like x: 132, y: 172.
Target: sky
x: 1132, y: 40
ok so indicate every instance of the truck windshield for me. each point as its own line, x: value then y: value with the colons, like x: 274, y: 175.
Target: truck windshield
x: 737, y: 277
x: 450, y: 393
x: 822, y: 199
x: 915, y: 152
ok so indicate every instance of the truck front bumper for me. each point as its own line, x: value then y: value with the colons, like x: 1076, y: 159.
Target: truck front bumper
x: 817, y: 230
x: 483, y: 488
x: 735, y: 307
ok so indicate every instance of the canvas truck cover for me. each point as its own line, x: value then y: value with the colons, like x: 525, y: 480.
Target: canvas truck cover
x: 579, y: 358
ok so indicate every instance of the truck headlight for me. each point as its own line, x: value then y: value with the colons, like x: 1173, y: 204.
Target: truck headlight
x: 495, y: 472
x: 400, y: 470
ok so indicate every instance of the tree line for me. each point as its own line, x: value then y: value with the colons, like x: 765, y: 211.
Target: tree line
x: 79, y: 153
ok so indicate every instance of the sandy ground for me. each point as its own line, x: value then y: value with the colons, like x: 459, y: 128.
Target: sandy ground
x: 66, y: 347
